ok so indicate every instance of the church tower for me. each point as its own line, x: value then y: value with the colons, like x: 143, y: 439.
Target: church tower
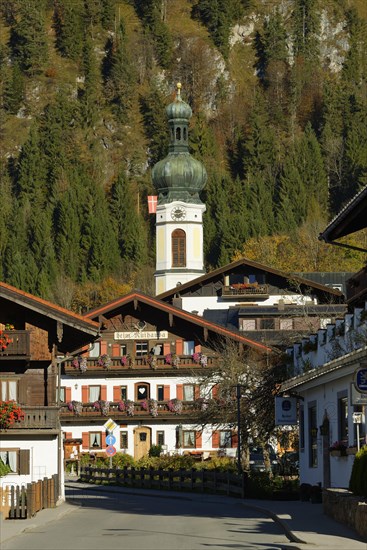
x: 178, y: 179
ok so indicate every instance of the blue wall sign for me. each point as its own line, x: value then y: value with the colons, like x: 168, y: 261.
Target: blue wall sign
x: 360, y: 380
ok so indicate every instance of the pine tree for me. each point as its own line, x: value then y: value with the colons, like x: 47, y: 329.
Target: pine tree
x: 90, y: 95
x: 69, y: 28
x: 31, y: 174
x: 155, y: 125
x: 28, y: 40
x: 14, y: 91
x: 306, y: 22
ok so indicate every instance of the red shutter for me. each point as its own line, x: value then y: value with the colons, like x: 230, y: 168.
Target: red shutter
x: 85, y: 394
x: 166, y: 348
x: 103, y: 347
x: 166, y: 393
x: 215, y: 391
x: 234, y: 439
x: 85, y: 440
x: 215, y: 439
x: 67, y: 395
x: 104, y: 393
x: 179, y: 391
x: 116, y: 350
x: 179, y: 347
x: 198, y: 437
x: 197, y: 392
x: 198, y: 348
x: 116, y: 393
x: 68, y: 435
x: 104, y: 440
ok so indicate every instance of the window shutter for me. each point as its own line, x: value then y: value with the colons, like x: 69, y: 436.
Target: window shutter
x: 179, y: 391
x: 116, y: 393
x: 67, y: 395
x: 179, y: 347
x: 24, y: 461
x: 104, y: 440
x: 85, y: 440
x: 166, y: 348
x: 215, y: 439
x: 234, y: 439
x: 198, y: 348
x: 85, y: 394
x: 215, y: 391
x: 104, y: 393
x: 115, y: 350
x: 198, y: 438
x: 166, y: 393
x: 68, y: 435
x: 196, y: 392
x: 103, y: 347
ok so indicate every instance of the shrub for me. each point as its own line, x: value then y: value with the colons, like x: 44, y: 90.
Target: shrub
x: 358, y: 478
x: 155, y: 450
x: 4, y: 468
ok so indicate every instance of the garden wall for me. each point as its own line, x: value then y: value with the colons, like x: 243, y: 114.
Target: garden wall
x: 346, y: 508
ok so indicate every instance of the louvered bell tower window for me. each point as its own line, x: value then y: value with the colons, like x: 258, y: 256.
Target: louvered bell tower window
x: 178, y: 248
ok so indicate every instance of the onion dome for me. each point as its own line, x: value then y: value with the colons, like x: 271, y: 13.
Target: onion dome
x: 179, y: 176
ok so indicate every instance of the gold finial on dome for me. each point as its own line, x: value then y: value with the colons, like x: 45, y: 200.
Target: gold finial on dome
x: 179, y: 85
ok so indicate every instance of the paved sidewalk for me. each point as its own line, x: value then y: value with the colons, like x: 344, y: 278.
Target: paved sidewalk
x: 304, y: 523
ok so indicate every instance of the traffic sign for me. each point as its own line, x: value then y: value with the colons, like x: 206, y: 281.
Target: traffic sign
x: 110, y: 425
x: 110, y: 439
x: 360, y: 380
x: 110, y: 450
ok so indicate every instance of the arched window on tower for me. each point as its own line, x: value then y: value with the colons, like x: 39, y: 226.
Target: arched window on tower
x: 178, y: 248
x: 178, y: 134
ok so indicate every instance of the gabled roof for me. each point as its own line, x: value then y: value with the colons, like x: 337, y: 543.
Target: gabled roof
x: 352, y: 218
x: 218, y: 274
x: 17, y: 306
x: 167, y: 317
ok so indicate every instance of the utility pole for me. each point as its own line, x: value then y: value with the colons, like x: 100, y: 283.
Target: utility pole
x: 238, y: 395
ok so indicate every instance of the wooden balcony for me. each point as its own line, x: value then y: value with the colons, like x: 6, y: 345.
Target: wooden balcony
x: 246, y: 290
x: 37, y: 418
x: 19, y: 346
x: 137, y: 364
x: 90, y: 414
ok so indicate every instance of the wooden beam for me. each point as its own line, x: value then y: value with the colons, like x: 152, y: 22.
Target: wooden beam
x: 205, y: 334
x: 170, y: 319
x: 135, y: 304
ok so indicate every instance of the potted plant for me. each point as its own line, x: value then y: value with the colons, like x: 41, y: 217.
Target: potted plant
x: 338, y: 448
x: 10, y: 412
x: 352, y: 450
x: 104, y: 361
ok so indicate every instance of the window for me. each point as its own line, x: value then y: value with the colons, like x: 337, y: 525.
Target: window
x: 343, y: 418
x: 247, y: 324
x: 188, y: 347
x: 62, y: 394
x: 286, y: 324
x: 188, y: 392
x: 17, y: 460
x: 160, y: 438
x: 142, y: 391
x: 95, y: 350
x: 123, y: 440
x: 95, y: 440
x: 178, y: 248
x: 160, y: 393
x: 141, y: 348
x: 312, y: 435
x: 267, y: 324
x: 9, y: 390
x: 123, y: 392
x: 225, y: 438
x: 301, y: 428
x: 123, y: 349
x: 94, y: 393
x: 189, y: 438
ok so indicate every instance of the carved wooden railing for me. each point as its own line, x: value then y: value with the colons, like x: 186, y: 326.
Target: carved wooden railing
x: 19, y: 344
x: 40, y: 418
x: 245, y: 290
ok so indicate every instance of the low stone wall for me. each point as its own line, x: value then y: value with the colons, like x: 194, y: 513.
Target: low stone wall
x: 346, y: 508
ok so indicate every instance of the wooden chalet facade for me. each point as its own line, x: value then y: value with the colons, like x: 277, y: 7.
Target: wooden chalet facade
x: 261, y: 303
x: 143, y: 373
x: 34, y: 334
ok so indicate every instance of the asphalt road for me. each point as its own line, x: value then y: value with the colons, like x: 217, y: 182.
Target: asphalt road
x: 139, y: 522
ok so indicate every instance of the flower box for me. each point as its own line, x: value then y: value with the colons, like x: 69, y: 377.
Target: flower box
x: 335, y: 453
x: 351, y: 450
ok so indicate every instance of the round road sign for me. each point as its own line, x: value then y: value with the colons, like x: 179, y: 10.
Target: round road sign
x: 110, y: 450
x: 110, y: 439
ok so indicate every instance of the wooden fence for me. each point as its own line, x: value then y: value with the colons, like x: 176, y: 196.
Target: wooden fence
x: 204, y: 481
x: 25, y: 501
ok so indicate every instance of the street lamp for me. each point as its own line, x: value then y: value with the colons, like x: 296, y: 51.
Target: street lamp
x: 238, y: 396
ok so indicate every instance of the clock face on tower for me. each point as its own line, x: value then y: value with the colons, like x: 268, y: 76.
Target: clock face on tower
x: 178, y: 213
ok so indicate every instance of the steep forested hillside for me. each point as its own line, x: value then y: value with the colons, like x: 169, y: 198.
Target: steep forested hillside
x: 278, y: 91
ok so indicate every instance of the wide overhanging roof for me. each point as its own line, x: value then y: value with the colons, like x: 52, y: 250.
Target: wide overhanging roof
x: 352, y: 218
x: 168, y: 317
x: 68, y: 330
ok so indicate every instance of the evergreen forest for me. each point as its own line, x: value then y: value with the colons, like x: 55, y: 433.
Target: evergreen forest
x: 279, y: 98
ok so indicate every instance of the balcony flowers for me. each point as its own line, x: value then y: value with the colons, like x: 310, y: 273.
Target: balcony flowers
x: 121, y: 406
x: 200, y: 359
x: 152, y: 361
x: 4, y: 341
x: 172, y: 359
x: 129, y: 407
x: 175, y: 406
x: 124, y: 360
x: 76, y: 407
x: 103, y: 406
x: 10, y: 412
x: 201, y: 404
x: 80, y: 363
x: 150, y: 405
x: 104, y: 361
x: 338, y: 448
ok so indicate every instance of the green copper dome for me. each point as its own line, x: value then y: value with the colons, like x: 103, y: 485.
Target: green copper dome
x: 179, y: 176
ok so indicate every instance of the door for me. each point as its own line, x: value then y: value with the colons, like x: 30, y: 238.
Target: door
x: 142, y: 441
